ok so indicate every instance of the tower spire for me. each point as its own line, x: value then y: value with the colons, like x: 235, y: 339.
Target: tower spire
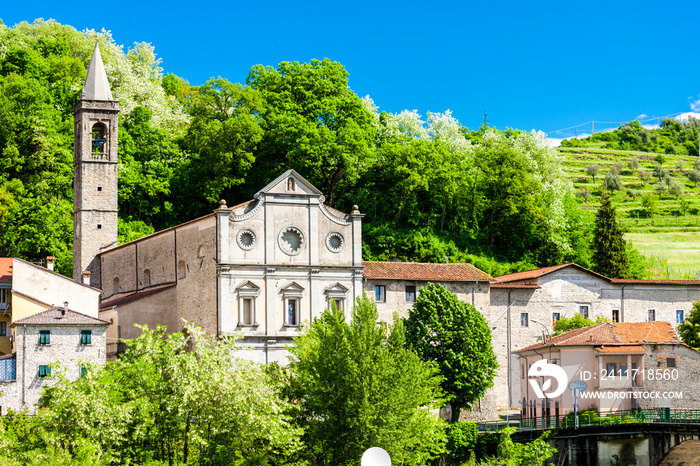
x: 96, y: 84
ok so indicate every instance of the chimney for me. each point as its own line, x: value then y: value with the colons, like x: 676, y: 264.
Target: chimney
x: 49, y: 263
x: 65, y: 308
x: 86, y: 277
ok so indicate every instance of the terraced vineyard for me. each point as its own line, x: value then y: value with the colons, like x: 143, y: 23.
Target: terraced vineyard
x: 671, y: 236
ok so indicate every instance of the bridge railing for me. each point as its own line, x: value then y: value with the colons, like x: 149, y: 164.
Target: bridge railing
x: 592, y: 419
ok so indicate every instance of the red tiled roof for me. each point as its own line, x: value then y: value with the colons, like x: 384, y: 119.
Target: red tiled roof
x: 527, y: 286
x: 537, y: 273
x: 617, y: 334
x: 423, y: 271
x: 59, y: 316
x: 133, y: 297
x: 5, y: 269
x: 630, y: 349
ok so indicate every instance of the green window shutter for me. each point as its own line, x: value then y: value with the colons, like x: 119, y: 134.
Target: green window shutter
x: 44, y: 371
x: 83, y: 371
x: 86, y: 337
x: 44, y: 337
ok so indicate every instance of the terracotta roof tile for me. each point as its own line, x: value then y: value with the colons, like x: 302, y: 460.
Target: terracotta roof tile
x: 537, y: 273
x: 133, y: 297
x: 59, y: 316
x: 423, y: 271
x: 613, y: 334
x: 628, y: 349
x: 526, y: 286
x: 5, y: 269
x: 656, y: 282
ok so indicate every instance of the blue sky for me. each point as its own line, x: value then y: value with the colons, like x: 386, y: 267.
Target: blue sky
x: 544, y: 65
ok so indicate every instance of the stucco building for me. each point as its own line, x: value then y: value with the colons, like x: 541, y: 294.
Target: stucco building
x: 625, y: 366
x: 525, y: 306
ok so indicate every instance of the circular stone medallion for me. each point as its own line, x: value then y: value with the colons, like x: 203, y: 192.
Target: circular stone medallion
x: 246, y: 239
x: 335, y: 242
x: 291, y: 241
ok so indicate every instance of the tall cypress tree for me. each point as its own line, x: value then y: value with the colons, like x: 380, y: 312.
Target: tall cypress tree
x: 609, y: 252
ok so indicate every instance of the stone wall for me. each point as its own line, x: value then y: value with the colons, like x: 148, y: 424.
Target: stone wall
x: 64, y: 348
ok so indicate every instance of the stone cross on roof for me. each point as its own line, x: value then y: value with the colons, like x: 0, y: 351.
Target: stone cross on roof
x: 96, y: 84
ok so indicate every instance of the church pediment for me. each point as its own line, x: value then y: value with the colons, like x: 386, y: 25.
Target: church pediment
x: 293, y: 290
x: 291, y: 183
x: 337, y: 288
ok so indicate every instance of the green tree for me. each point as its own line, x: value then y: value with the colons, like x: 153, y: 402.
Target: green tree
x: 566, y: 324
x: 359, y: 387
x: 633, y: 164
x: 644, y: 176
x: 676, y: 188
x: 650, y: 204
x: 660, y: 172
x: 175, y: 399
x: 455, y: 335
x: 613, y: 182
x: 592, y: 170
x: 313, y: 123
x: 660, y: 159
x: 690, y: 328
x: 609, y: 256
x: 694, y: 176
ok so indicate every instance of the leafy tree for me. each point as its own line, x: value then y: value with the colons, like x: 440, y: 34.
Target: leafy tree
x: 584, y: 194
x: 592, y: 170
x: 680, y: 165
x: 660, y: 159
x: 161, y: 402
x: 684, y: 206
x: 644, y: 175
x: 633, y: 164
x: 452, y: 333
x: 650, y: 204
x: 566, y: 324
x: 313, y: 123
x: 616, y: 168
x: 359, y: 387
x: 609, y: 256
x: 613, y: 182
x: 660, y: 172
x: 694, y: 176
x: 690, y: 328
x: 676, y: 188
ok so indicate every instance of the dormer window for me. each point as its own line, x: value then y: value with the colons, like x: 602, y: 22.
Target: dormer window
x: 291, y: 184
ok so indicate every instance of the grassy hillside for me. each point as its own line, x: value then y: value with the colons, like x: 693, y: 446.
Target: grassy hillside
x: 670, y: 237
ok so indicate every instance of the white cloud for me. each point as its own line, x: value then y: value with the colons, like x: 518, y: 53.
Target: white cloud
x: 695, y: 105
x: 641, y: 117
x: 694, y: 114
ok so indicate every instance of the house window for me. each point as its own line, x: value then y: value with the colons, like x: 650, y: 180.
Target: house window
x: 3, y: 299
x: 44, y: 337
x: 616, y: 315
x: 583, y: 310
x: 44, y: 371
x: 292, y: 311
x: 247, y: 293
x: 652, y: 315
x: 83, y: 371
x: 679, y: 317
x: 380, y: 293
x: 611, y: 369
x: 523, y: 319
x: 410, y: 293
x: 338, y: 303
x: 556, y: 317
x: 248, y: 311
x: 623, y: 370
x: 3, y: 329
x: 86, y: 337
x: 670, y: 362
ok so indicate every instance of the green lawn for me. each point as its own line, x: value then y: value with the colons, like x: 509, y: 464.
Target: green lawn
x: 676, y: 254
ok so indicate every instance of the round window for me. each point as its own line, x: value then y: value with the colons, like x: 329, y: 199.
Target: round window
x: 291, y: 240
x: 246, y: 239
x: 335, y: 241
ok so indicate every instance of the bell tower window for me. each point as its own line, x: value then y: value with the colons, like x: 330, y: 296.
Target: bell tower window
x: 99, y: 141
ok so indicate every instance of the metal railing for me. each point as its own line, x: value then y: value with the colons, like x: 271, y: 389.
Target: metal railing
x: 592, y: 419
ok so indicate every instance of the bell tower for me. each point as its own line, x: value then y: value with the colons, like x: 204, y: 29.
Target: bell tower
x: 95, y: 118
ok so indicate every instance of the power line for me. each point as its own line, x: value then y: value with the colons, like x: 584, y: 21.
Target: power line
x: 593, y: 122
